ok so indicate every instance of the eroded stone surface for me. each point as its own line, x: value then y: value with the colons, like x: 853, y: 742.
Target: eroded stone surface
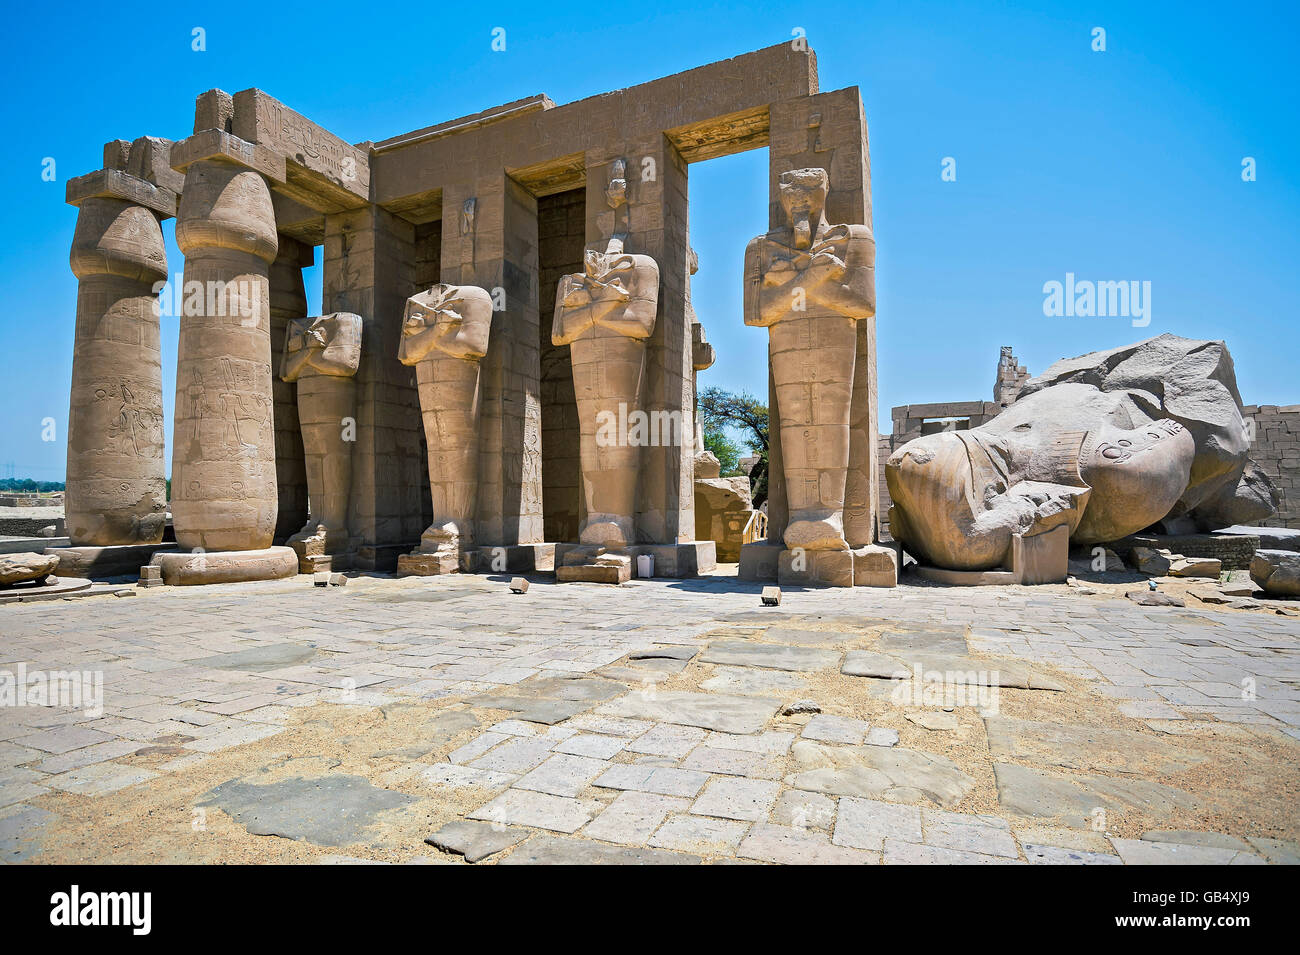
x: 475, y: 840
x: 327, y: 811
x: 714, y: 711
x: 899, y: 775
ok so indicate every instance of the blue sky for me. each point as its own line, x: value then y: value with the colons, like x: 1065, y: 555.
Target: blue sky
x: 1115, y: 165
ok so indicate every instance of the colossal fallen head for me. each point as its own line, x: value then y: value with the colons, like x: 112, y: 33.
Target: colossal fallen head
x: 1109, y: 444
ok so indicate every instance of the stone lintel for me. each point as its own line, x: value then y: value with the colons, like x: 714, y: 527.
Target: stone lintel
x: 116, y: 184
x: 511, y: 110
x: 702, y: 106
x: 322, y: 171
x: 218, y: 146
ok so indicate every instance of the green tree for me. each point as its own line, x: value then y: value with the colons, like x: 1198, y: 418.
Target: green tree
x: 720, y: 409
x: 725, y: 450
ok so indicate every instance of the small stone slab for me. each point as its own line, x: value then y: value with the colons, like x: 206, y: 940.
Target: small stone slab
x: 699, y: 834
x: 771, y: 597
x: 633, y: 817
x: 745, y: 681
x: 1141, y: 852
x: 563, y: 775
x: 1057, y: 855
x: 809, y: 637
x: 741, y: 715
x: 867, y: 823
x: 768, y: 656
x: 924, y: 641
x: 789, y: 846
x: 836, y: 729
x: 553, y: 850
x: 539, y: 810
x: 475, y: 840
x: 934, y: 720
x: 1154, y: 598
x: 1189, y: 837
x: 1072, y: 799
x: 327, y: 811
x: 877, y: 665
x: 898, y: 775
x: 737, y: 798
x: 649, y: 778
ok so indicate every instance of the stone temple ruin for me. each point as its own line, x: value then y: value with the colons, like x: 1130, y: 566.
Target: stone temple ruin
x: 503, y: 376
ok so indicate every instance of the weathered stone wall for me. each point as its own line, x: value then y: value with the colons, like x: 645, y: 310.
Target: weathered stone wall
x: 1276, y: 449
x: 369, y: 270
x: 561, y: 224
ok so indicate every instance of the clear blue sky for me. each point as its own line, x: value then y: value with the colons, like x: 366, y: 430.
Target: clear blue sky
x: 1117, y: 165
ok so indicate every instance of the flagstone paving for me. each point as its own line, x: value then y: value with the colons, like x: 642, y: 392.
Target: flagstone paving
x: 638, y: 724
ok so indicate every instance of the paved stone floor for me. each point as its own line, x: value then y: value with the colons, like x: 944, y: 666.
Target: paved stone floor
x: 446, y: 720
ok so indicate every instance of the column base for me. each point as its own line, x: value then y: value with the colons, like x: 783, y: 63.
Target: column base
x: 99, y: 563
x: 311, y: 560
x: 419, y: 564
x: 1040, y: 559
x: 381, y: 558
x: 688, y: 559
x: 759, y: 560
x: 591, y: 564
x: 186, y: 568
x: 874, y: 565
x: 514, y: 559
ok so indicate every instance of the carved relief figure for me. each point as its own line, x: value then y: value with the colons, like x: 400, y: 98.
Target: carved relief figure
x: 444, y: 336
x: 605, y: 314
x: 809, y: 284
x: 322, y: 354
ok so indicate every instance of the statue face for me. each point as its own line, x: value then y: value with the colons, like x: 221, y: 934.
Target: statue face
x: 803, y: 197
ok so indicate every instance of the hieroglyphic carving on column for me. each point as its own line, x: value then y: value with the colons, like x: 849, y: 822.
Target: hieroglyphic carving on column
x: 116, y: 485
x: 322, y: 354
x: 445, y: 335
x: 605, y: 314
x: 223, y: 463
x: 809, y: 284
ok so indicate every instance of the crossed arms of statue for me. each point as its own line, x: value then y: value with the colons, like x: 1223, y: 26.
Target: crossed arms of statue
x: 327, y: 344
x: 836, y: 273
x: 455, y: 320
x: 618, y: 291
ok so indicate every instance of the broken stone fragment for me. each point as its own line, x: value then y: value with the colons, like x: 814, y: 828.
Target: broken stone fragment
x: 18, y: 568
x: 1196, y: 567
x: 1277, y: 571
x: 801, y: 706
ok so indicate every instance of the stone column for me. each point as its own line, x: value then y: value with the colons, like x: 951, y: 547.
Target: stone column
x: 116, y: 484
x: 224, y: 495
x: 490, y: 240
x: 369, y: 270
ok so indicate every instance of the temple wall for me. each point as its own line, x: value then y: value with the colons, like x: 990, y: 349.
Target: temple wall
x: 1276, y: 449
